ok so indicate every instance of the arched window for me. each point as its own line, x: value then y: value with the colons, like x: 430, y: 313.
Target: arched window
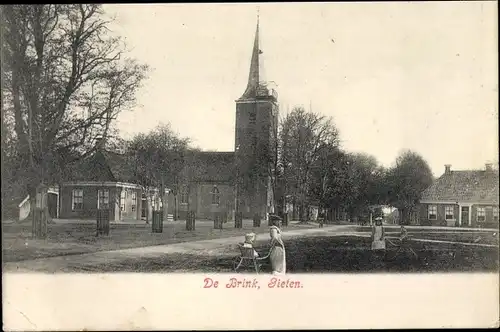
x: 184, y: 195
x: 215, y: 195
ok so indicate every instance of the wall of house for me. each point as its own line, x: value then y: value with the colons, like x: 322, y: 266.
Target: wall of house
x: 489, y: 222
x: 129, y: 212
x: 440, y: 220
x: 89, y: 210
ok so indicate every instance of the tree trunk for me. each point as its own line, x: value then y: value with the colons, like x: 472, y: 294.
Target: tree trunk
x: 302, y: 216
x: 162, y: 199
x: 147, y: 207
x: 39, y: 214
x: 402, y: 216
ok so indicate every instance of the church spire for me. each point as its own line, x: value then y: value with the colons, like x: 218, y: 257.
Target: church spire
x: 253, y: 77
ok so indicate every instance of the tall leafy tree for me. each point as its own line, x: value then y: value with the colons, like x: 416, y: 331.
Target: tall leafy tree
x: 406, y: 182
x: 65, y: 79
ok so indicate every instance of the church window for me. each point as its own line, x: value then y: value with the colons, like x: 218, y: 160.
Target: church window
x: 252, y: 118
x: 215, y: 196
x: 184, y: 195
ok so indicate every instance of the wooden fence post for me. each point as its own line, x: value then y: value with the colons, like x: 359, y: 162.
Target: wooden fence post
x: 190, y: 221
x: 157, y: 221
x: 256, y: 220
x: 102, y: 222
x: 238, y: 220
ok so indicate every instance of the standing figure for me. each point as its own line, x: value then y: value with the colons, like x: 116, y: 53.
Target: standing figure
x: 378, y: 235
x: 277, y: 254
x: 404, y: 239
x: 403, y: 235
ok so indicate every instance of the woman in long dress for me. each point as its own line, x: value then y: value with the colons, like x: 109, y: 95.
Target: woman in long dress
x: 277, y: 254
x: 378, y: 235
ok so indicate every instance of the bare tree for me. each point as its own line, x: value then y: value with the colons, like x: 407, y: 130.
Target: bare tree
x: 66, y: 80
x: 304, y: 136
x: 158, y: 159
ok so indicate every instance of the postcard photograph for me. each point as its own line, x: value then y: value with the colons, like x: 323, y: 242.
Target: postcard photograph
x: 341, y: 156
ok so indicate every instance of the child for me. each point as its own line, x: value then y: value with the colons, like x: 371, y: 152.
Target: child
x: 249, y: 240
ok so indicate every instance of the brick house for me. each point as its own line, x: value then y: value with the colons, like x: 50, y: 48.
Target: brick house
x: 462, y: 198
x: 104, y: 179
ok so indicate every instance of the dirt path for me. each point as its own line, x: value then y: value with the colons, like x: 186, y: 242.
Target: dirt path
x: 204, y: 247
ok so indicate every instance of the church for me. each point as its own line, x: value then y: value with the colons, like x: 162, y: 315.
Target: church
x: 240, y: 180
x: 212, y: 182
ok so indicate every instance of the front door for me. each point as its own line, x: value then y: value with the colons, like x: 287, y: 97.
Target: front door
x: 52, y: 204
x: 144, y: 208
x: 465, y: 216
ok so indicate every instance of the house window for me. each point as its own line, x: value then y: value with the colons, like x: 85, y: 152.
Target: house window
x: 184, y: 195
x: 495, y: 214
x: 134, y: 200
x: 449, y: 212
x: 481, y: 214
x: 432, y: 212
x: 103, y: 199
x: 123, y: 195
x: 77, y: 199
x: 215, y: 196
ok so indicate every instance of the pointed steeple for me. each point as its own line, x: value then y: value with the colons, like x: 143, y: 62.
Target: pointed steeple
x: 254, y: 75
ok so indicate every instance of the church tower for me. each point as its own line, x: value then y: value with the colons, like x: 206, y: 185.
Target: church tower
x: 256, y: 128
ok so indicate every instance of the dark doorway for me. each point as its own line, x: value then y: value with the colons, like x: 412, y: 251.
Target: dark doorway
x: 465, y: 216
x: 52, y: 204
x: 144, y: 209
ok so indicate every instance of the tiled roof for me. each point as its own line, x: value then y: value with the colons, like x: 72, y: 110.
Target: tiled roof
x: 120, y: 166
x: 201, y: 166
x: 210, y: 166
x: 102, y: 166
x: 465, y: 186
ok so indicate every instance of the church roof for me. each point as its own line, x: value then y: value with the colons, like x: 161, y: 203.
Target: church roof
x: 254, y: 75
x: 210, y: 166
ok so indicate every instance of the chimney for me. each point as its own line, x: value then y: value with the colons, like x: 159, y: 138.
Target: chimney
x: 100, y: 142
x: 489, y: 167
x: 447, y: 169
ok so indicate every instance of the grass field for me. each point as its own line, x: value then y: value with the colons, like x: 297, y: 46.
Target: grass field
x: 323, y: 254
x: 450, y: 234
x: 79, y: 238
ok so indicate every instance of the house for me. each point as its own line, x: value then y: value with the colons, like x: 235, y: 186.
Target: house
x: 102, y: 180
x: 466, y: 198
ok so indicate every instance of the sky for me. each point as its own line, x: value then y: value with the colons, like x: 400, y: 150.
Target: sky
x: 402, y: 75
